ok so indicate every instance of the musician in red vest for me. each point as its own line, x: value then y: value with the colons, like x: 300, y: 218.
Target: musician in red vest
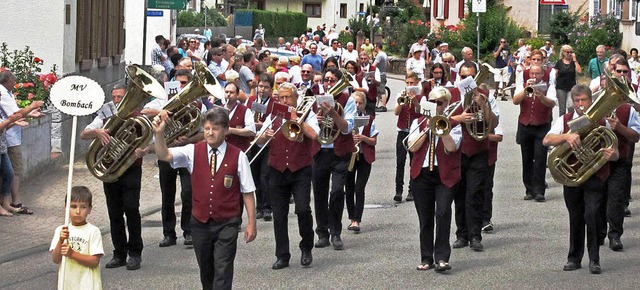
x: 366, y: 138
x: 469, y: 194
x: 290, y: 175
x: 242, y: 128
x: 372, y: 76
x: 331, y: 163
x: 583, y: 202
x: 220, y: 177
x: 625, y: 125
x: 406, y: 114
x: 122, y: 196
x: 435, y: 170
x: 534, y: 122
x: 260, y: 165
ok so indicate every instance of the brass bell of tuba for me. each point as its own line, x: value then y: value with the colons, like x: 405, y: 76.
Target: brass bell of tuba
x: 480, y: 128
x: 328, y: 130
x: 573, y: 167
x: 109, y: 162
x: 186, y: 118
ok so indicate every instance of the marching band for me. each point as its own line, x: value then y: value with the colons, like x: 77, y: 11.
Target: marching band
x: 287, y: 137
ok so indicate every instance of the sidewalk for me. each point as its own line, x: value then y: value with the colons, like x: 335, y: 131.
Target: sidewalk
x: 23, y: 235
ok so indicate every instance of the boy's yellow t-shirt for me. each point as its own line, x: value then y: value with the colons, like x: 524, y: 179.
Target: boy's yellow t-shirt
x: 87, y: 240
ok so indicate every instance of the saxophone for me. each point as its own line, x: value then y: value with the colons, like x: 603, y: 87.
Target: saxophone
x: 110, y: 161
x: 186, y: 117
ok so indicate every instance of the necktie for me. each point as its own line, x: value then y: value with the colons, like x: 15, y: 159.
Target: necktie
x: 432, y: 149
x: 213, y: 162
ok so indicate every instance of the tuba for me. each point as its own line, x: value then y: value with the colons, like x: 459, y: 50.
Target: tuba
x: 109, y: 162
x: 293, y: 130
x: 186, y: 117
x: 328, y: 130
x: 572, y: 168
x: 480, y: 128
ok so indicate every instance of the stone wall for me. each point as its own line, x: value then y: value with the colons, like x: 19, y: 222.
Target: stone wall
x: 36, y: 148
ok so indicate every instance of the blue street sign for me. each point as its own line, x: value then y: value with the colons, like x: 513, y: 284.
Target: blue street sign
x: 155, y: 13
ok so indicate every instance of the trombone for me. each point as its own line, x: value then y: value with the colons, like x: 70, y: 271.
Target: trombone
x: 268, y: 141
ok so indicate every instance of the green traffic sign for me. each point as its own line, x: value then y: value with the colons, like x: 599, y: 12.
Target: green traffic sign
x: 167, y: 4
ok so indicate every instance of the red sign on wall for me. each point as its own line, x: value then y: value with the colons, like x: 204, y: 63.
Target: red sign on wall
x: 553, y: 2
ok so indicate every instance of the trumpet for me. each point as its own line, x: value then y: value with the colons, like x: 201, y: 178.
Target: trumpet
x: 293, y: 130
x: 403, y: 99
x: 531, y: 90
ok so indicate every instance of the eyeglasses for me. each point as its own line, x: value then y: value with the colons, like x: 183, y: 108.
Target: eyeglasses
x: 330, y: 80
x: 192, y: 41
x: 502, y: 41
x: 569, y: 52
x: 183, y: 82
x: 622, y: 71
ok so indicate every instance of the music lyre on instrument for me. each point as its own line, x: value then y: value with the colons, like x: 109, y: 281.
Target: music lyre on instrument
x: 359, y: 121
x: 438, y: 124
x: 574, y: 167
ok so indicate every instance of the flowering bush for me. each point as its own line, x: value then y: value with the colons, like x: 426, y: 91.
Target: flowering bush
x: 31, y: 84
x: 586, y: 35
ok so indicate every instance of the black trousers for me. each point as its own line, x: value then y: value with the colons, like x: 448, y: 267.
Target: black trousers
x: 329, y: 205
x: 356, y: 184
x: 260, y: 173
x: 534, y: 157
x: 632, y: 149
x: 583, y: 203
x: 401, y: 160
x: 168, y: 177
x: 123, y: 199
x: 617, y: 185
x: 283, y: 185
x: 487, y: 208
x: 432, y: 200
x: 215, y: 245
x: 469, y: 196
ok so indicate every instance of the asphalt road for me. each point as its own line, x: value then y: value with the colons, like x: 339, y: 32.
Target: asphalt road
x: 526, y: 250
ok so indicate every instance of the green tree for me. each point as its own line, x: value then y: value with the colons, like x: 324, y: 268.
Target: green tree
x: 188, y: 18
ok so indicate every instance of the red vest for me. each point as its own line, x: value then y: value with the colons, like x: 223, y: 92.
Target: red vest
x: 343, y: 145
x: 533, y: 111
x: 603, y: 173
x: 372, y: 94
x: 406, y: 116
x: 237, y: 121
x: 284, y: 153
x: 622, y: 112
x: 216, y: 198
x: 448, y: 163
x: 369, y: 151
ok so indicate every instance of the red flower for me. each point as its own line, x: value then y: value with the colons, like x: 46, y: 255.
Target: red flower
x: 3, y: 69
x: 393, y: 43
x: 51, y: 77
x: 28, y: 85
x: 18, y: 86
x: 420, y: 22
x: 412, y: 22
x: 46, y: 85
x: 30, y: 97
x: 37, y: 60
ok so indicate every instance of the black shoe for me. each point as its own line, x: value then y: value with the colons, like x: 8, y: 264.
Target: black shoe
x: 487, y: 227
x: 280, y: 263
x: 528, y: 196
x: 615, y: 245
x: 627, y: 212
x: 188, y: 240
x: 259, y: 215
x: 167, y: 241
x: 306, y: 258
x: 539, y: 198
x: 381, y: 109
x: 398, y: 197
x: 337, y: 243
x: 134, y: 263
x: 409, y: 197
x: 442, y: 266
x: 115, y: 263
x: 476, y: 245
x: 460, y: 243
x: 268, y: 216
x: 322, y: 242
x: 594, y: 267
x: 570, y: 266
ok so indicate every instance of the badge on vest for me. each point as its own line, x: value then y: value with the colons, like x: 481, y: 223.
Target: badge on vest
x: 228, y: 181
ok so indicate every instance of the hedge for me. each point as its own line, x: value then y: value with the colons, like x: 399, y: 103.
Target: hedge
x: 278, y: 24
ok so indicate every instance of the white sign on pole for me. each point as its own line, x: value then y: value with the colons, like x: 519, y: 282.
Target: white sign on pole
x: 77, y: 96
x: 478, y: 6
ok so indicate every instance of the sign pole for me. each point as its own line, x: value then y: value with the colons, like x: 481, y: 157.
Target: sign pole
x: 478, y: 37
x: 144, y: 35
x: 74, y: 127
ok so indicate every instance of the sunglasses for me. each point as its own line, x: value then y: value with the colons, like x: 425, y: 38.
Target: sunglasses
x: 192, y: 41
x: 503, y: 42
x: 330, y: 81
x: 622, y: 71
x: 184, y: 82
x: 305, y: 71
x: 569, y: 52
